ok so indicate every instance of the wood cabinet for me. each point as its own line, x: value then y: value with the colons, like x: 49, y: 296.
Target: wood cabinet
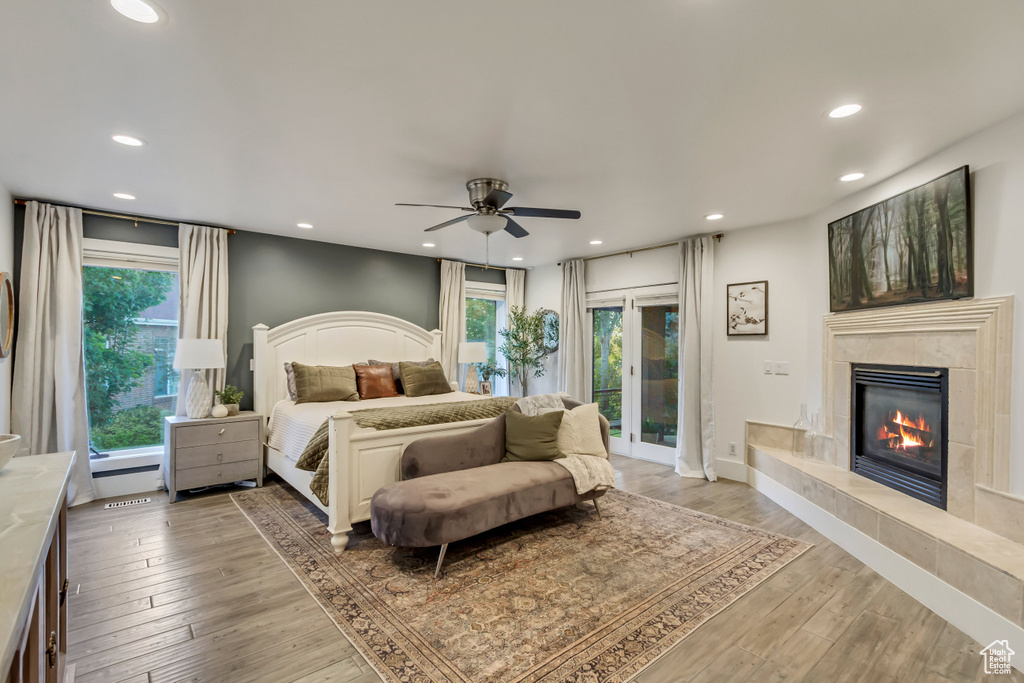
x: 212, y: 451
x: 33, y: 564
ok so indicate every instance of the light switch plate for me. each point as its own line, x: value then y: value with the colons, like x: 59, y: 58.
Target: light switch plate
x: 767, y: 367
x: 732, y: 448
x: 782, y: 367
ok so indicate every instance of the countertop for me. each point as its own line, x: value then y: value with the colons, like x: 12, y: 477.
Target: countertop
x: 31, y: 490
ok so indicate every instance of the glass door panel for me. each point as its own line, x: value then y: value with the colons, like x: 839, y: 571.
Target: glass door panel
x: 607, y: 372
x: 657, y: 382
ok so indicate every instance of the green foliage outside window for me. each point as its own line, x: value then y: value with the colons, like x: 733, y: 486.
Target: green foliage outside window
x: 113, y: 298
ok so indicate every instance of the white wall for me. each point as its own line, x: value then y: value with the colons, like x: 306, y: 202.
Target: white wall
x: 6, y: 265
x: 794, y: 259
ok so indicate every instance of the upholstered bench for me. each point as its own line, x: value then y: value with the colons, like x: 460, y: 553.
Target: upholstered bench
x: 456, y: 486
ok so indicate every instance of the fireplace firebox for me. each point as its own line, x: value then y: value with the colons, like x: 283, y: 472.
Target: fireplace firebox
x: 898, y: 424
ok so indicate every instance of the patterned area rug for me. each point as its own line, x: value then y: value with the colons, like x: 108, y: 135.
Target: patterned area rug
x: 560, y: 596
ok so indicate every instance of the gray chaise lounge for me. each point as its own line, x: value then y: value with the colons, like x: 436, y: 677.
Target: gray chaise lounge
x: 456, y: 486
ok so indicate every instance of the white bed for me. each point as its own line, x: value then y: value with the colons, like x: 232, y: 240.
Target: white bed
x: 360, y: 460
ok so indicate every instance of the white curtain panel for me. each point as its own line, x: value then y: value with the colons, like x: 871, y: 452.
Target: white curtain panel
x: 515, y: 295
x: 572, y: 366
x: 695, y: 449
x: 48, y: 403
x: 452, y: 315
x: 203, y: 302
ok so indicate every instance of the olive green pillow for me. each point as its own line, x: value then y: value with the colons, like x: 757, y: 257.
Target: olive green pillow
x: 423, y: 380
x: 532, y: 437
x: 319, y: 383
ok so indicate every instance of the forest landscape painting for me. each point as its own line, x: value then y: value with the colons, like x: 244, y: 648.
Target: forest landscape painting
x: 914, y: 247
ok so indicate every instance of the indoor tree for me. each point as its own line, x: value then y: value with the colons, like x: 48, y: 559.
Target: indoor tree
x: 523, y: 344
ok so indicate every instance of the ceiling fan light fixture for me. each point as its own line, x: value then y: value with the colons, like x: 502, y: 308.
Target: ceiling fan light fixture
x: 487, y: 223
x: 137, y: 10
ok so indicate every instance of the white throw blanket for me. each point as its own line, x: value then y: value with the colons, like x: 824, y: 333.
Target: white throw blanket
x: 589, y: 473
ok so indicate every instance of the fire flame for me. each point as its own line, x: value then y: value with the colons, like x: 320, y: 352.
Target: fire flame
x: 905, y: 439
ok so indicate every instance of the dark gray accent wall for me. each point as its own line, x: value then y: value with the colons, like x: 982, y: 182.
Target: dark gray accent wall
x: 478, y: 274
x: 275, y: 279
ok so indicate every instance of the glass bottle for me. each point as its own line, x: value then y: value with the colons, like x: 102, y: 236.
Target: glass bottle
x: 811, y: 439
x: 800, y: 429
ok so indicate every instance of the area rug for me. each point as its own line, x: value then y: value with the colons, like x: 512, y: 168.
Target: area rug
x: 562, y: 596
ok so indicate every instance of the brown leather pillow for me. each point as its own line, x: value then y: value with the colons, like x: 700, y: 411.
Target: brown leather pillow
x: 375, y: 381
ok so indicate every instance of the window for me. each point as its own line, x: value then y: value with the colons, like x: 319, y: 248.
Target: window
x: 131, y: 330
x: 485, y: 316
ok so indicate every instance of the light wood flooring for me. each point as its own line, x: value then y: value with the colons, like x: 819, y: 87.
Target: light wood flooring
x: 191, y: 592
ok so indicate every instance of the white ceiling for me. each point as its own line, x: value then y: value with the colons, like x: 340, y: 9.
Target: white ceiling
x: 643, y: 115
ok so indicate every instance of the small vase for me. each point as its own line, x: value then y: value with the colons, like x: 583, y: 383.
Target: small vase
x: 811, y: 439
x: 232, y: 408
x: 800, y: 429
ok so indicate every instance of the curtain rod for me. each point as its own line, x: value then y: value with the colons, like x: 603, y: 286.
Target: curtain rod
x: 136, y: 219
x: 477, y: 265
x: 630, y: 252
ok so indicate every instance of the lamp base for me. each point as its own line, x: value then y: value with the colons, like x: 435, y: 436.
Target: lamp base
x: 197, y: 402
x: 472, y: 380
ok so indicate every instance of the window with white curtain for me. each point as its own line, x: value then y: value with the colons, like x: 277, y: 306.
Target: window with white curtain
x: 130, y: 315
x: 486, y: 315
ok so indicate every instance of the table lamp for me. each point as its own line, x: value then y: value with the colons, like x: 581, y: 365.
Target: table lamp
x: 469, y: 354
x: 198, y: 355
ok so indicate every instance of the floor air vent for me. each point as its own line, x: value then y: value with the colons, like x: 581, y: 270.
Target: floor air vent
x: 126, y: 503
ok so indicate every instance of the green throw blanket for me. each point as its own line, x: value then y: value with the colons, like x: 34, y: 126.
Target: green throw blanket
x: 313, y: 458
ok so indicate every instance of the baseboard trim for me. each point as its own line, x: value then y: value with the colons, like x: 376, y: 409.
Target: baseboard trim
x: 959, y: 609
x: 733, y: 470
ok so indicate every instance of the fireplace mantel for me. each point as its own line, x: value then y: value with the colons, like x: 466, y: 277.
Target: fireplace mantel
x: 973, y: 338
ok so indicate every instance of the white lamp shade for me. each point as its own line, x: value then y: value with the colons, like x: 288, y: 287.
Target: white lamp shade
x: 199, y: 354
x: 472, y: 352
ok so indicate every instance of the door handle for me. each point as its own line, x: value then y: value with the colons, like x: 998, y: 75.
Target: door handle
x: 51, y: 650
x: 64, y: 593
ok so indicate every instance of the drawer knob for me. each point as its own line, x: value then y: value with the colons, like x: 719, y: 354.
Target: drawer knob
x: 221, y: 431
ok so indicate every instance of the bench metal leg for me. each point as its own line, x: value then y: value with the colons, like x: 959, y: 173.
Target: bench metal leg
x: 440, y: 561
x: 598, y: 509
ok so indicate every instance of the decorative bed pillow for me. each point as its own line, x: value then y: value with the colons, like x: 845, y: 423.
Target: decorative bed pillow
x: 375, y: 381
x: 424, y: 380
x: 396, y: 370
x: 319, y: 383
x: 290, y: 378
x: 531, y: 437
x: 580, y: 432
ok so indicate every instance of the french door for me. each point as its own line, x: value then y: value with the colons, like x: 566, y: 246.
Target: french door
x: 634, y: 361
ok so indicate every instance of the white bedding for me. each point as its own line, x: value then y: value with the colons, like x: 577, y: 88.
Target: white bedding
x: 293, y: 425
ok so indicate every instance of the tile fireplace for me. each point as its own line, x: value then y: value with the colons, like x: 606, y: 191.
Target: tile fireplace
x: 899, y: 424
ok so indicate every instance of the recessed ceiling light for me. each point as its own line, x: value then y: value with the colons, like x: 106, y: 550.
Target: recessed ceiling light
x: 307, y: 226
x: 851, y: 176
x: 129, y: 140
x: 714, y: 217
x: 844, y: 111
x: 596, y: 242
x: 517, y: 258
x: 429, y: 244
x: 124, y: 195
x: 137, y: 10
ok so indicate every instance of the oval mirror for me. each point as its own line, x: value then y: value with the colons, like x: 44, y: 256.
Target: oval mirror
x: 6, y: 314
x: 550, y: 331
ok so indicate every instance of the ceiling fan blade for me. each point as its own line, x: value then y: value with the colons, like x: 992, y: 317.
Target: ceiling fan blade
x: 497, y: 198
x: 440, y: 206
x: 543, y: 213
x: 514, y: 229
x: 447, y: 223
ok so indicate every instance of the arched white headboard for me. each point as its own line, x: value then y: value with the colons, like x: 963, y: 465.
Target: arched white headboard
x: 336, y: 338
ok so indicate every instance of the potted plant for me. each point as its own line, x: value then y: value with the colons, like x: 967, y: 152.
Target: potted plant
x: 523, y: 344
x: 229, y: 397
x: 488, y: 370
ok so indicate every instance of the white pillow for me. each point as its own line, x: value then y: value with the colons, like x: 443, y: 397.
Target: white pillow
x: 580, y: 432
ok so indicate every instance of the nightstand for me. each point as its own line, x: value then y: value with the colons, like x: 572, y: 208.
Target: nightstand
x: 209, y: 451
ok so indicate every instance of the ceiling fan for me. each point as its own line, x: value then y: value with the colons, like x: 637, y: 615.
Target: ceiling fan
x: 489, y: 214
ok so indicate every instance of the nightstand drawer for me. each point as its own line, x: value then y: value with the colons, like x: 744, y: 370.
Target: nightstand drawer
x: 225, y: 432
x: 216, y: 474
x: 218, y: 454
